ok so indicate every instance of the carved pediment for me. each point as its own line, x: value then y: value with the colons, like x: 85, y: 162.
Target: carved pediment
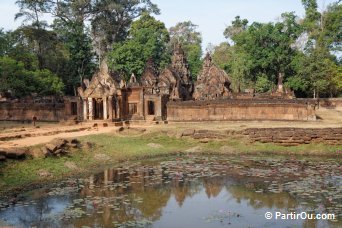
x: 101, y: 84
x: 212, y: 83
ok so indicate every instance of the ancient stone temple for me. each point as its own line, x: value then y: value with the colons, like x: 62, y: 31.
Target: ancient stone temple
x: 175, y: 80
x: 212, y: 82
x: 101, y: 97
x: 106, y: 97
x: 171, y: 95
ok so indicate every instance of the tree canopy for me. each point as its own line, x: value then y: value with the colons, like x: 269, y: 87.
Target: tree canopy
x: 55, y: 58
x: 262, y: 52
x: 186, y: 34
x: 147, y: 39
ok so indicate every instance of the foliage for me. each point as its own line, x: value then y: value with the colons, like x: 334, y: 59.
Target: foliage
x: 148, y: 38
x: 332, y: 29
x: 112, y: 18
x: 185, y: 33
x: 236, y: 28
x: 262, y: 51
x: 263, y: 84
x: 222, y: 56
x: 20, y: 82
x: 301, y: 49
x: 317, y: 70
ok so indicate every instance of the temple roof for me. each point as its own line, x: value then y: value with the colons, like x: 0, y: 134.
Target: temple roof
x: 102, y: 84
x: 212, y: 82
x: 150, y: 75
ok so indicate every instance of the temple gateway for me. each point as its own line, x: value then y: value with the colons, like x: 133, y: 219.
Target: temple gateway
x: 173, y: 95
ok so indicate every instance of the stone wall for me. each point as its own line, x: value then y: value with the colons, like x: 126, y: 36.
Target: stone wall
x: 44, y: 110
x: 295, y: 136
x: 330, y: 102
x: 280, y: 136
x: 240, y: 110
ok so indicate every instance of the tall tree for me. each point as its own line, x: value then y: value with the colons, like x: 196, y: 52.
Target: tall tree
x: 111, y: 20
x: 148, y: 38
x: 186, y: 34
x: 238, y: 25
x: 267, y: 47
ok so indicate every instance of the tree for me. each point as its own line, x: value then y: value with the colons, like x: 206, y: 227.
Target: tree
x: 318, y: 72
x: 263, y: 84
x: 20, y: 82
x: 235, y: 28
x: 222, y: 56
x: 112, y: 18
x: 317, y: 66
x: 235, y: 62
x: 332, y: 30
x: 186, y: 34
x: 148, y: 38
x: 81, y: 59
x: 268, y: 48
x: 32, y: 10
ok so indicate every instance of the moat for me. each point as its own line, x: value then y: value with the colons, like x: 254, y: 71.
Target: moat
x: 187, y: 191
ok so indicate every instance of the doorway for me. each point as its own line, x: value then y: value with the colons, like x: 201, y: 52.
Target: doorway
x: 150, y: 108
x: 98, y: 109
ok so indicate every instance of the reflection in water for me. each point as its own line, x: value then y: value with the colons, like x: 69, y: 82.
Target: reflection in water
x: 184, y: 192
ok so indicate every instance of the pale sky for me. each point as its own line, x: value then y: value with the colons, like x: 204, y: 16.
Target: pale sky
x: 211, y: 16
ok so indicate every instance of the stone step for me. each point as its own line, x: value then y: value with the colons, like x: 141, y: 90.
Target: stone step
x: 13, y: 153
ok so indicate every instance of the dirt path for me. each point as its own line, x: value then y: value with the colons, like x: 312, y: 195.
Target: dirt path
x: 31, y: 141
x: 328, y: 118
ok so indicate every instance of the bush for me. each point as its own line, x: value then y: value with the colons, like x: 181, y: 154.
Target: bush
x: 20, y: 82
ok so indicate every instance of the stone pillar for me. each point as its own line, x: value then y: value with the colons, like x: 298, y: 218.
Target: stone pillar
x: 105, y: 177
x: 85, y: 110
x: 118, y: 106
x: 110, y: 107
x: 105, y: 115
x: 91, y: 182
x: 91, y: 110
x: 141, y: 104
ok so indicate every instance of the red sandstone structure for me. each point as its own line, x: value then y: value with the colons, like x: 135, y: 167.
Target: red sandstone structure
x: 107, y: 99
x: 212, y: 83
x: 169, y: 95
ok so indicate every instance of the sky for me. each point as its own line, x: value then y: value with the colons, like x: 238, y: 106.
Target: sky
x: 211, y: 16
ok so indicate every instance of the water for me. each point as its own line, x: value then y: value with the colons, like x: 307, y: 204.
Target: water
x: 187, y: 191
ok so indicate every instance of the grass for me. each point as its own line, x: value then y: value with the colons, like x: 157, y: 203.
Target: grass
x: 114, y: 148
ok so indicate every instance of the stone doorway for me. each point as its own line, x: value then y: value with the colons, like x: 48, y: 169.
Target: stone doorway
x: 150, y: 108
x: 98, y: 109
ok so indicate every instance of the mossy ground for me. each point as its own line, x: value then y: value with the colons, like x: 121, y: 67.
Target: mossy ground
x: 114, y: 148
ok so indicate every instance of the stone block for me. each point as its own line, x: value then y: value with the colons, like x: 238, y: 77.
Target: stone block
x: 74, y: 141
x: 201, y: 131
x: 200, y: 135
x: 59, y: 143
x: 2, y: 158
x: 118, y: 124
x: 51, y: 147
x: 16, y: 153
x: 188, y: 132
x: 36, y: 153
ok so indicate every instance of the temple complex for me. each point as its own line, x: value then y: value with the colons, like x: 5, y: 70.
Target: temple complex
x: 107, y: 98
x: 168, y: 95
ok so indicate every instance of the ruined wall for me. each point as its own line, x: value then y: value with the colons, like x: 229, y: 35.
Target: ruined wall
x: 239, y: 110
x: 295, y: 136
x: 44, y: 111
x: 280, y: 136
x: 330, y: 102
